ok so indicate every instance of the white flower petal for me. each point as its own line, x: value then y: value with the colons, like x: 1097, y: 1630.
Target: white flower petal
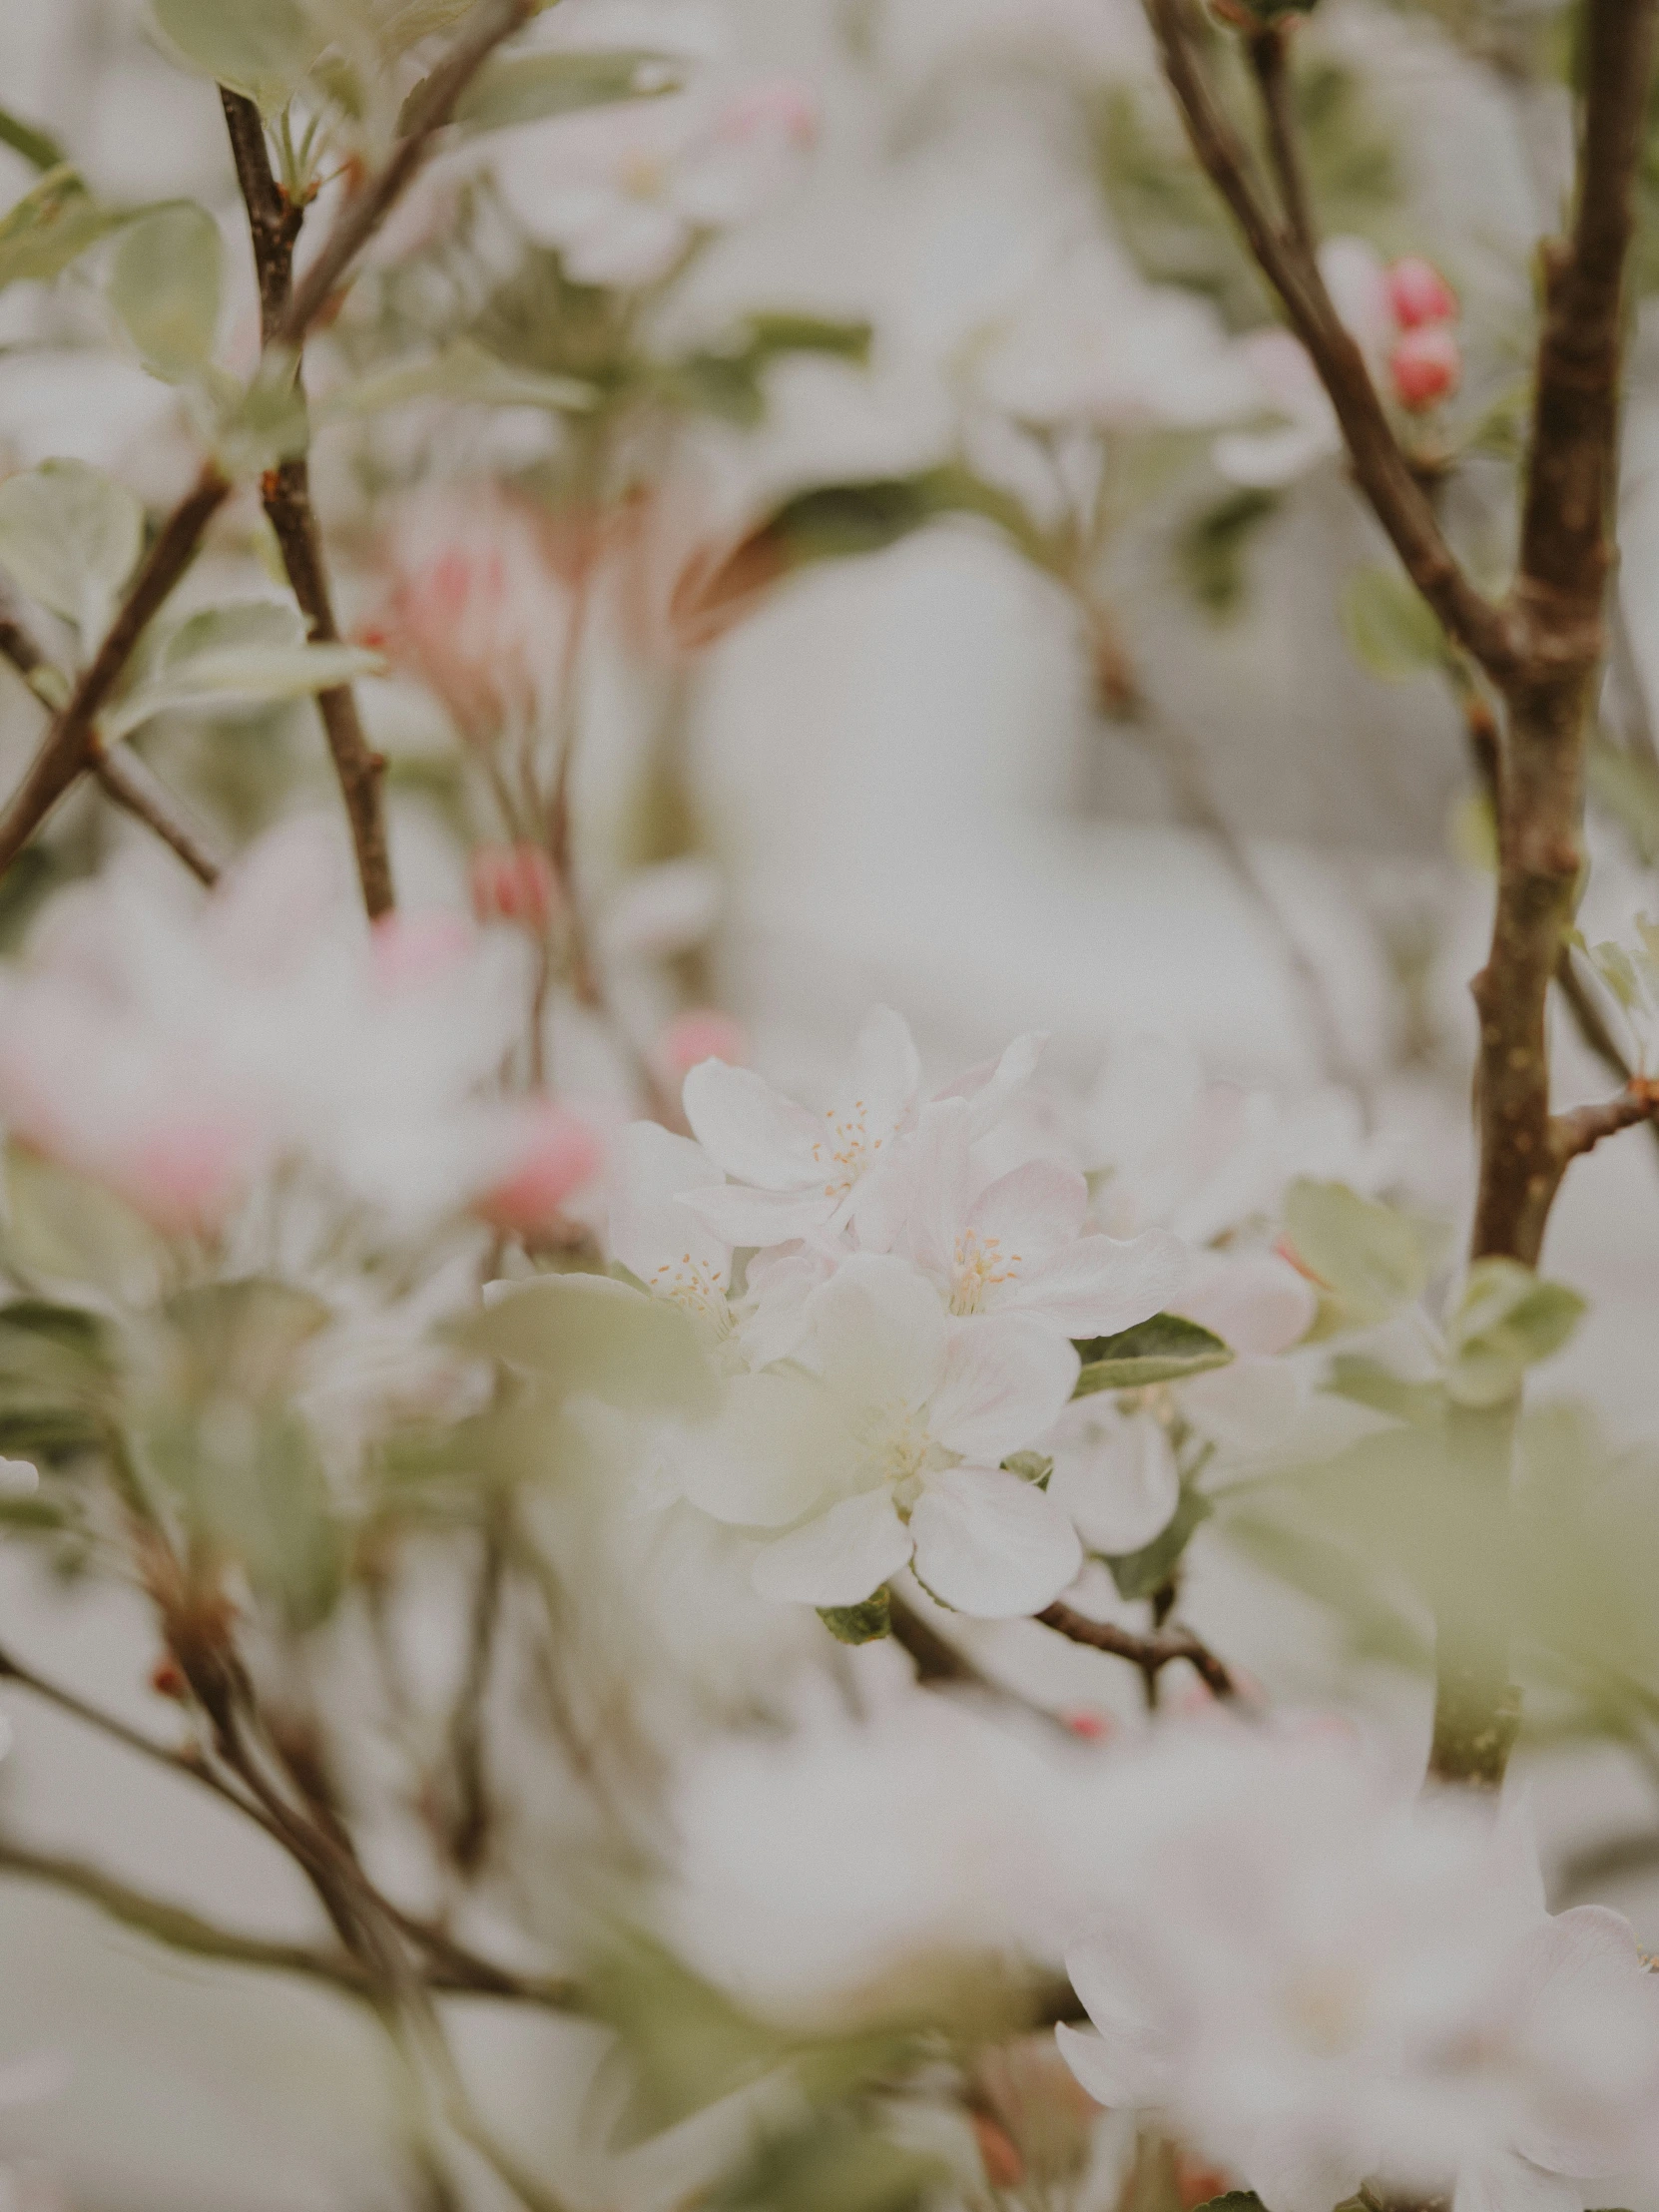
x: 991, y: 1546
x: 1097, y: 1286
x: 1501, y: 2182
x: 774, y: 1451
x: 879, y: 1332
x: 1246, y: 1407
x: 752, y: 1131
x: 1116, y: 2073
x: 880, y: 1084
x: 779, y: 1289
x: 1254, y: 1301
x: 754, y: 1220
x: 1296, y: 2176
x: 650, y: 1229
x: 992, y: 1087
x: 1116, y: 1477
x: 841, y: 1558
x: 1006, y: 1378
x: 1033, y: 1210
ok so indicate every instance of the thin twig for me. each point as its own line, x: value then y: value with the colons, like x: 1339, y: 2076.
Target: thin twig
x: 1150, y: 1653
x: 491, y: 22
x: 64, y: 754
x: 1379, y: 467
x: 1582, y: 1128
x: 67, y: 749
x: 273, y: 225
x: 139, y: 792
x: 468, y: 1827
x: 1269, y: 57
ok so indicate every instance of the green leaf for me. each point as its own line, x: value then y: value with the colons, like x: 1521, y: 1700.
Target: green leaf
x: 686, y: 2043
x: 1628, y: 787
x: 1366, y: 1383
x: 71, y: 537
x: 238, y: 679
x: 1372, y: 1259
x: 1210, y: 550
x: 65, y: 1227
x: 51, y: 226
x: 465, y: 371
x: 1165, y: 1349
x: 1507, y: 1319
x: 528, y: 88
x: 1031, y: 1466
x: 259, y: 47
x: 836, y: 2162
x: 272, y: 625
x: 165, y: 284
x: 584, y: 1333
x: 1389, y: 627
x: 38, y: 148
x: 1143, y: 1573
x: 1236, y: 2200
x: 267, y: 422
x: 860, y: 1624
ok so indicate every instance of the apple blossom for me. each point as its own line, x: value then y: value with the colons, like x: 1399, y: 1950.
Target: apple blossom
x: 624, y: 193
x: 701, y: 1033
x: 889, y: 1447
x: 554, y: 1153
x: 1015, y: 1244
x: 1319, y: 1983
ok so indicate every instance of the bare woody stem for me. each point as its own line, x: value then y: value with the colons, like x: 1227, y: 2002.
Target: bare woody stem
x: 68, y: 746
x: 123, y: 777
x: 66, y: 752
x: 1150, y: 1653
x: 1269, y: 58
x: 1381, y: 469
x: 274, y: 223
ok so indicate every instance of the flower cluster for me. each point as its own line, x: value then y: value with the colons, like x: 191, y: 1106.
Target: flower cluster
x: 906, y: 1321
x: 1319, y: 1983
x: 181, y: 1052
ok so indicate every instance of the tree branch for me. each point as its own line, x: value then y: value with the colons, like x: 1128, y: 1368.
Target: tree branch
x: 1582, y: 1128
x: 67, y: 749
x: 273, y: 223
x: 65, y: 752
x: 1382, y: 470
x: 491, y: 22
x: 1150, y: 1653
x: 1269, y: 50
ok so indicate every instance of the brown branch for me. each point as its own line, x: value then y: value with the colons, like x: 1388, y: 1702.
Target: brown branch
x: 1379, y: 467
x: 273, y: 223
x: 491, y: 22
x: 1582, y: 1128
x: 1269, y: 50
x: 1150, y: 1653
x: 67, y: 749
x: 139, y: 792
x: 1565, y: 558
x: 125, y: 779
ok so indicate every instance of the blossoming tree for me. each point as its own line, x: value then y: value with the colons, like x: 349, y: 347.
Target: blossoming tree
x: 715, y: 1574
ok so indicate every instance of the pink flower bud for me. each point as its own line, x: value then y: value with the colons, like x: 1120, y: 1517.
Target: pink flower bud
x: 409, y: 949
x: 1088, y: 1725
x: 701, y: 1033
x: 1427, y: 366
x: 998, y: 2152
x: 558, y: 1153
x: 513, y: 883
x: 1419, y: 294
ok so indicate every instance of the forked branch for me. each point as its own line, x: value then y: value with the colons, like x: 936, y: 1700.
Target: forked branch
x: 1150, y: 1653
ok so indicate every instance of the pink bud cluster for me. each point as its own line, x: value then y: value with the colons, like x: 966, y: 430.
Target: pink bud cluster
x: 1425, y: 362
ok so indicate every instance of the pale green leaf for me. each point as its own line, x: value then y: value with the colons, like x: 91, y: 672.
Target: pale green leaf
x: 71, y: 537
x: 38, y: 148
x: 259, y: 47
x: 273, y: 624
x: 51, y: 226
x: 1507, y: 1319
x: 165, y: 284
x: 1143, y: 1573
x: 860, y: 1624
x: 233, y: 679
x: 265, y: 424
x: 586, y: 1334
x: 530, y: 88
x: 1165, y: 1349
x: 1388, y: 625
x: 1372, y: 1259
x: 463, y: 372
